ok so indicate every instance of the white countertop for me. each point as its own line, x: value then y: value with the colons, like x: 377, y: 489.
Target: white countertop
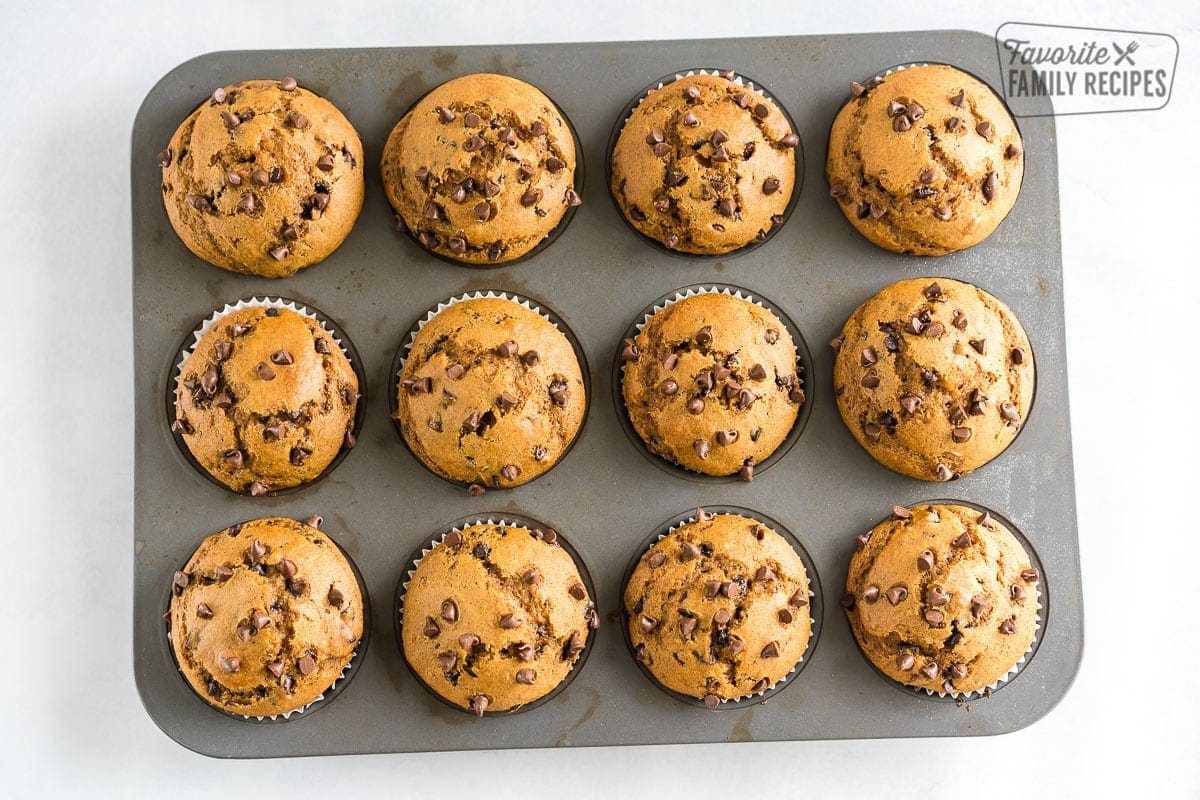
x: 72, y: 723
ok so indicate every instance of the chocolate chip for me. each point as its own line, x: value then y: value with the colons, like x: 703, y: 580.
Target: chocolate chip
x: 958, y: 670
x: 963, y: 540
x: 230, y: 119
x: 231, y: 663
x: 985, y: 130
x: 164, y: 158
x: 1012, y: 151
x: 848, y: 601
x: 573, y: 647
x: 510, y: 621
x: 1017, y: 355
x: 690, y: 119
x: 1009, y: 412
x: 702, y: 448
x: 910, y: 403
x: 868, y: 357
x: 746, y: 470
x: 279, y: 253
x: 656, y: 558
x: 727, y: 207
x: 297, y: 120
x: 790, y: 140
x: 934, y: 617
x: 872, y: 431
x: 647, y: 624
x: 870, y: 380
x: 901, y: 123
x: 930, y: 670
x: 926, y: 560
x: 897, y: 594
x: 770, y: 651
x: 179, y: 582
x: 325, y: 163
x: 1008, y: 626
x: 857, y: 89
x: 445, y: 115
x: 510, y: 472
x: 870, y: 594
x: 473, y: 144
x: 905, y: 662
x: 483, y: 211
x: 431, y: 629
x: 785, y: 616
x: 936, y: 596
x: 1030, y: 575
x: 469, y: 641
x: 668, y: 387
x: 960, y: 435
x: 259, y: 620
x: 944, y: 473
x: 722, y: 617
x: 960, y: 99
x: 953, y: 124
x: 979, y: 605
x: 234, y: 458
x: 895, y: 107
x: 798, y: 599
x: 244, y: 632
x: 1016, y: 591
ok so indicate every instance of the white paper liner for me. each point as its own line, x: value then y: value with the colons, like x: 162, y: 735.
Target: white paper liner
x: 453, y: 301
x: 696, y: 291
x: 437, y: 540
x: 812, y: 623
x: 1013, y: 670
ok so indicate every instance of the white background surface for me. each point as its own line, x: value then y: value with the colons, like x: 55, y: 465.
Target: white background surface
x: 70, y: 82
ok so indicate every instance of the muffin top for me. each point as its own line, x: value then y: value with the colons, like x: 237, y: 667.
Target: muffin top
x: 491, y: 395
x: 263, y: 178
x: 942, y: 597
x: 495, y: 616
x: 926, y: 160
x: 481, y: 169
x: 265, y: 616
x: 718, y: 608
x: 934, y: 377
x: 704, y: 164
x: 265, y: 400
x: 712, y: 383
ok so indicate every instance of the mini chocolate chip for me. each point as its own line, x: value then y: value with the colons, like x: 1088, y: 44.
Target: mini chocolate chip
x: 926, y: 560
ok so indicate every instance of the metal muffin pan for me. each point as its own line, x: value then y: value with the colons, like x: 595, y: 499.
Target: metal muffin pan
x: 605, y: 497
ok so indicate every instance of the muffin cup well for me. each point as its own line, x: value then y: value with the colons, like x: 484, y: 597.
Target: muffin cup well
x: 325, y: 698
x: 743, y: 81
x: 1043, y: 601
x: 1032, y: 398
x: 305, y: 309
x: 803, y: 367
x: 508, y: 520
x: 549, y: 239
x: 815, y: 604
x: 539, y: 308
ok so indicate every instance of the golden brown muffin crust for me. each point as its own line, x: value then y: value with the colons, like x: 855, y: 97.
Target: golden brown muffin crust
x: 926, y: 160
x: 266, y: 400
x: 942, y: 597
x: 704, y: 165
x: 482, y: 169
x: 265, y: 616
x: 719, y: 608
x: 934, y: 377
x: 495, y: 617
x: 262, y: 179
x: 712, y: 383
x: 491, y: 394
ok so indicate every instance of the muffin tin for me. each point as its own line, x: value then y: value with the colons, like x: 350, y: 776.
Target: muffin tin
x: 605, y: 496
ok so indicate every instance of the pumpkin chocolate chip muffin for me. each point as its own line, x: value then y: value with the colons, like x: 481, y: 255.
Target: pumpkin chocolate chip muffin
x: 264, y: 178
x: 495, y: 617
x: 712, y: 383
x: 482, y: 169
x: 926, y: 160
x: 265, y: 400
x: 718, y: 608
x: 942, y: 597
x: 491, y: 394
x: 265, y: 616
x: 933, y: 377
x: 704, y: 164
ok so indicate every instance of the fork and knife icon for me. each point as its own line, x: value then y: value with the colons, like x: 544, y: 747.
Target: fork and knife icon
x: 1126, y: 54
